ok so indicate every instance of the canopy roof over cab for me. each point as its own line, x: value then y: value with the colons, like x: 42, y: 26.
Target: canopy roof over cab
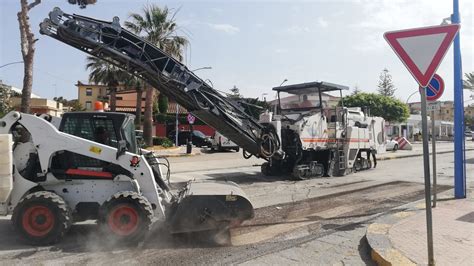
x: 310, y: 87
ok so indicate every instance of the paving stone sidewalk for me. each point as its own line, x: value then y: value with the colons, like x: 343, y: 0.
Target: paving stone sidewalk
x: 400, y: 238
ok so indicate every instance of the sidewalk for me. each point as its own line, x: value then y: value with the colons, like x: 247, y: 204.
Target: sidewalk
x: 441, y: 147
x: 400, y: 238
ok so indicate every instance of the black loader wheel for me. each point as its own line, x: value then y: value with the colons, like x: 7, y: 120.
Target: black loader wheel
x: 42, y: 218
x: 395, y: 147
x: 126, y: 217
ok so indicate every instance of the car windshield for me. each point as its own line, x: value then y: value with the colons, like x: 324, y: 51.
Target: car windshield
x: 297, y: 101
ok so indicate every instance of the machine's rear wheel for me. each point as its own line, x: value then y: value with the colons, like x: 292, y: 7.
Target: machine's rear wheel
x: 42, y: 218
x: 126, y: 216
x: 266, y: 169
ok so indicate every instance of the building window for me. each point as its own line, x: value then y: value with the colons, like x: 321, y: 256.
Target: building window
x: 88, y: 91
x: 88, y: 105
x: 119, y: 98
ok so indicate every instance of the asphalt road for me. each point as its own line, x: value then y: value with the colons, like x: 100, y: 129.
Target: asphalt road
x: 321, y: 221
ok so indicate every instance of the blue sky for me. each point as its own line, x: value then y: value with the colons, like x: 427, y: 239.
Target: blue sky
x: 254, y: 45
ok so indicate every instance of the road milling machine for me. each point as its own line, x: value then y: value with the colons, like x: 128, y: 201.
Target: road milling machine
x: 309, y: 140
x: 90, y: 168
x: 317, y: 140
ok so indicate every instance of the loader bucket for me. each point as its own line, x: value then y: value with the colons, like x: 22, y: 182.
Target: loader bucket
x: 204, y: 206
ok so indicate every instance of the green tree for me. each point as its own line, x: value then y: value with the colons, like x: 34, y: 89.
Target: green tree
x: 390, y: 109
x: 235, y: 93
x: 158, y: 26
x: 385, y: 86
x: 163, y: 103
x: 468, y: 83
x: 356, y: 90
x: 27, y: 44
x: 138, y: 85
x: 75, y: 105
x: 5, y: 94
x: 102, y: 72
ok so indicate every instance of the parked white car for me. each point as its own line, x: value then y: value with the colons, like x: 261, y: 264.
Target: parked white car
x: 221, y: 143
x: 391, y: 145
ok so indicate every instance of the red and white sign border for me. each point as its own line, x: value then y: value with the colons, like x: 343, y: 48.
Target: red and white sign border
x: 423, y: 79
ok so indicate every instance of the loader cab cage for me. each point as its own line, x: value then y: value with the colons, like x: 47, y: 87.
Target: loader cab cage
x: 305, y: 96
x: 105, y: 128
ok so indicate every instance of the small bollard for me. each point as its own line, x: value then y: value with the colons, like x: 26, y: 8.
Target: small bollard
x: 189, y: 147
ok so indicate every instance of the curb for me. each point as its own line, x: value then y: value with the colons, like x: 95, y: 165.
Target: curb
x: 381, y: 249
x: 415, y: 155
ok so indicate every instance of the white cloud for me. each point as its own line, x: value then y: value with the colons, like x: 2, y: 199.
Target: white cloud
x: 322, y: 22
x: 217, y: 10
x: 297, y: 29
x: 380, y: 16
x: 227, y: 28
x: 280, y: 50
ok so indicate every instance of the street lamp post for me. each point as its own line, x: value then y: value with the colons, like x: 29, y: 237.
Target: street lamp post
x: 12, y: 63
x: 201, y: 68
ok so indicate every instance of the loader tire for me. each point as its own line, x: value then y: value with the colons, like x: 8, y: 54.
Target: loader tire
x: 42, y: 218
x: 126, y: 217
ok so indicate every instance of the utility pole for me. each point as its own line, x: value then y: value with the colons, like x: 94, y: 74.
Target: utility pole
x: 459, y: 144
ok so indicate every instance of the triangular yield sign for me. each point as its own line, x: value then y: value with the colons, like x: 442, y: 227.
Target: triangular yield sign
x: 422, y: 49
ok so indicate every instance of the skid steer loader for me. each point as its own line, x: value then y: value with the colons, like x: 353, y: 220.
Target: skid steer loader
x: 91, y: 168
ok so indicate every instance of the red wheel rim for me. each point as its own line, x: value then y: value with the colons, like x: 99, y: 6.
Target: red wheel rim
x: 38, y: 221
x: 123, y: 220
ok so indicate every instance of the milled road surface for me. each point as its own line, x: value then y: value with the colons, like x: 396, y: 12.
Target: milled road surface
x: 315, y: 221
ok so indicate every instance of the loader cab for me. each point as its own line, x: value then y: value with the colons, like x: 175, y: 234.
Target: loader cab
x: 305, y: 97
x: 112, y: 129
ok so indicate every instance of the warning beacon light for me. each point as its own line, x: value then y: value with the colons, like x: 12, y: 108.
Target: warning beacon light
x: 98, y: 106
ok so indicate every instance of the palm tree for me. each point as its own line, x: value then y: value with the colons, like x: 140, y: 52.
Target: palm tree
x: 158, y: 26
x: 468, y: 83
x: 137, y: 84
x: 102, y: 72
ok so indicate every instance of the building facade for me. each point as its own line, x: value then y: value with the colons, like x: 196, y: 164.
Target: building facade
x: 446, y: 112
x: 40, y: 106
x: 88, y: 94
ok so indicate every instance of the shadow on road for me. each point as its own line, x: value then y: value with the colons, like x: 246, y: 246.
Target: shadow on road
x: 209, y: 151
x: 247, y: 178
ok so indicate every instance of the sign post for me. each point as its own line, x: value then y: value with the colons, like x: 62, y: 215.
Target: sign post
x: 433, y: 157
x: 433, y: 92
x: 189, y: 145
x: 421, y: 50
x: 426, y: 163
x: 459, y: 140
